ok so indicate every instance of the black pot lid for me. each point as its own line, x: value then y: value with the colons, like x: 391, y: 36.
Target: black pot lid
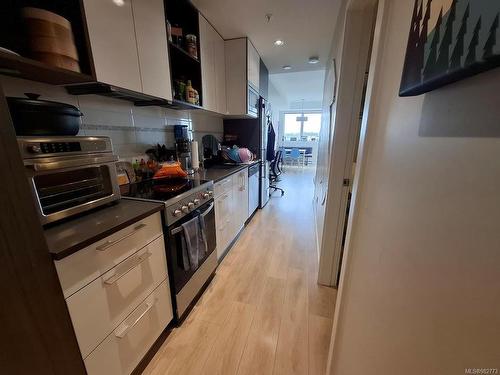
x: 32, y: 103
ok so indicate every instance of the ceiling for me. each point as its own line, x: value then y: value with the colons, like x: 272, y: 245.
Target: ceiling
x: 292, y: 90
x: 305, y: 26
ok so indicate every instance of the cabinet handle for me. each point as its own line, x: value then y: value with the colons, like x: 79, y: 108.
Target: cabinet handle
x: 117, y: 276
x: 125, y: 328
x: 108, y: 244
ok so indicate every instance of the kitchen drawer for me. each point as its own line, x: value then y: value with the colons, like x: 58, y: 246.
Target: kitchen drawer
x: 223, y: 186
x: 100, y: 306
x: 124, y: 348
x: 86, y: 265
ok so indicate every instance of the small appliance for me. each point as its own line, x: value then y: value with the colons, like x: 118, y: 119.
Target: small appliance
x: 69, y: 175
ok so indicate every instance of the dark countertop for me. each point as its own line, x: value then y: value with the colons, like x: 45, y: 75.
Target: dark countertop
x: 220, y: 172
x: 75, y: 234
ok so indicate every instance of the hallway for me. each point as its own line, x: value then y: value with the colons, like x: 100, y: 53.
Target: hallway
x: 263, y: 313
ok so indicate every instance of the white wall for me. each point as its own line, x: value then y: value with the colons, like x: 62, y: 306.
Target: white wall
x: 132, y: 129
x: 420, y: 291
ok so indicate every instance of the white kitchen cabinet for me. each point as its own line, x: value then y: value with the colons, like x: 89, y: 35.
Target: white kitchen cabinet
x: 129, y: 45
x: 220, y: 75
x: 207, y: 52
x: 113, y: 43
x: 118, y: 296
x: 152, y: 48
x: 242, y: 78
x: 124, y: 348
x: 231, y: 208
x: 253, y: 63
x: 223, y: 208
x: 213, y: 74
x: 240, y: 200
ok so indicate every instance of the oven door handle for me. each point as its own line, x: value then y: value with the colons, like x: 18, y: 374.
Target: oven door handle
x: 71, y: 163
x: 179, y: 229
x: 207, y: 211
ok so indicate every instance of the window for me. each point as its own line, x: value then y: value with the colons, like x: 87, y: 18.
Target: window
x: 302, y: 126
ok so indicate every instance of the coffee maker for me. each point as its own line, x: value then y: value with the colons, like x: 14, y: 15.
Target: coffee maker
x: 183, y: 148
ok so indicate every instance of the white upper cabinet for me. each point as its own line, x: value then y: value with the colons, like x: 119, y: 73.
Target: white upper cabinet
x: 129, y: 45
x: 213, y: 71
x: 253, y: 63
x: 151, y: 34
x: 207, y: 52
x: 242, y: 73
x: 112, y: 39
x: 220, y: 74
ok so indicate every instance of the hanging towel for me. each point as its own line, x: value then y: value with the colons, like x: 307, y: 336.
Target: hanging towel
x: 196, y: 242
x: 204, y: 247
x: 185, y: 256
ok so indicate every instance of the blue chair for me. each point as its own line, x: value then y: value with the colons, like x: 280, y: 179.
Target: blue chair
x: 295, y: 156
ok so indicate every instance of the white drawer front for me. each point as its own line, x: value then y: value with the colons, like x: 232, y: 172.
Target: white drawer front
x: 123, y: 349
x: 223, y: 186
x: 98, y: 308
x: 86, y: 265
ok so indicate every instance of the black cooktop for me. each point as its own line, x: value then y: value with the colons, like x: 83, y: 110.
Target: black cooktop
x: 161, y: 189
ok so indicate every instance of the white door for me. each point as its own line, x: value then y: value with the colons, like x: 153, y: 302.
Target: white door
x: 344, y: 137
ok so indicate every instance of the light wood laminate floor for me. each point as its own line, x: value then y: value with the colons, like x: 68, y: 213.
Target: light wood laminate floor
x: 263, y: 313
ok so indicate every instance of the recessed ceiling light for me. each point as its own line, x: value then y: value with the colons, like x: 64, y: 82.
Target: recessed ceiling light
x: 120, y: 3
x: 278, y: 42
x: 313, y: 60
x: 287, y: 67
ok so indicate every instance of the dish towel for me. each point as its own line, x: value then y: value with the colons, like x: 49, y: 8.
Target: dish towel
x: 196, y: 244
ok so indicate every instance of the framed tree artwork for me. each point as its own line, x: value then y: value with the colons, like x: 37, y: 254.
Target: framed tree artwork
x: 450, y: 40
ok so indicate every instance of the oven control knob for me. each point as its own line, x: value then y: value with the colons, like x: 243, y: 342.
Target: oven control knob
x: 206, y: 196
x: 185, y: 209
x: 34, y: 149
x: 191, y: 205
x: 196, y: 202
x: 177, y: 213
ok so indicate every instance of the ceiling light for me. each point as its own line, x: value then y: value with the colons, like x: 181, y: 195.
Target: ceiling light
x: 278, y: 42
x: 313, y: 60
x: 120, y: 3
x: 287, y: 67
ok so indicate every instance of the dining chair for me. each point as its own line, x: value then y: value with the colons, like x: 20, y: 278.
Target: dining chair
x: 295, y: 156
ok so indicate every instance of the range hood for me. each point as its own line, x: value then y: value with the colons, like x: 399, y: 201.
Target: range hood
x: 139, y: 99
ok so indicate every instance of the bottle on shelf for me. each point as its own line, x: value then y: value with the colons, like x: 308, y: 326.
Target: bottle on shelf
x: 190, y: 93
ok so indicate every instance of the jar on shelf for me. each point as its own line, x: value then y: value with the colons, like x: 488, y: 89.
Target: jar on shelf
x: 191, y: 45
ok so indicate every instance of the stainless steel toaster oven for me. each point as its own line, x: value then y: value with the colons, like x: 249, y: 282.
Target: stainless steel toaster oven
x: 69, y: 175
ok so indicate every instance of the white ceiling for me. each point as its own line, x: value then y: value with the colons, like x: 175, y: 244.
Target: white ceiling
x: 306, y: 27
x: 296, y: 90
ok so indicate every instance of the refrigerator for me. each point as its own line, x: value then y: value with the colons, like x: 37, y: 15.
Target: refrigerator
x: 252, y: 134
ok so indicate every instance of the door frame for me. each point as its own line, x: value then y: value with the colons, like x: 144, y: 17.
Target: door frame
x: 368, y: 112
x: 345, y: 121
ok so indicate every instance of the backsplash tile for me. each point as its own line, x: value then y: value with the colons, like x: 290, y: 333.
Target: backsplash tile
x: 132, y: 129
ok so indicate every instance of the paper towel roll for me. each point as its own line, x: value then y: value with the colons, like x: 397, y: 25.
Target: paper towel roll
x: 195, y: 159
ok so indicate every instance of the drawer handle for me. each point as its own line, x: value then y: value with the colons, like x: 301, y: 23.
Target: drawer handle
x: 108, y: 244
x: 117, y: 276
x: 125, y: 328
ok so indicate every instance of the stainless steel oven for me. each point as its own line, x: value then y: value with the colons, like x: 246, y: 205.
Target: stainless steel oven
x: 69, y: 175
x: 189, y: 281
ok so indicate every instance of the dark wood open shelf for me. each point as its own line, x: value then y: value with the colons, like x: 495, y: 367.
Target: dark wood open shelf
x: 23, y: 67
x: 183, y: 66
x: 182, y: 52
x: 14, y: 36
